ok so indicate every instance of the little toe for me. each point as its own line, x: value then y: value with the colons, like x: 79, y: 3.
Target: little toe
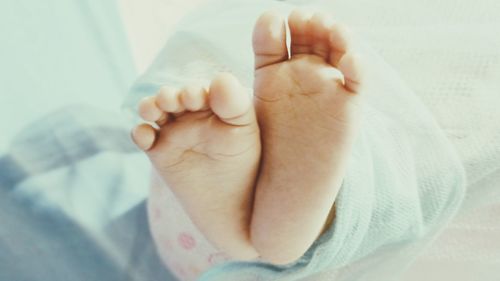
x: 148, y: 110
x: 269, y: 40
x: 352, y: 68
x: 194, y: 98
x: 168, y: 100
x: 320, y: 26
x: 299, y: 23
x: 144, y: 136
x: 340, y: 42
x: 230, y: 101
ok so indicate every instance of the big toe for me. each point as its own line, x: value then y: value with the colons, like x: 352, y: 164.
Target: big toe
x: 269, y: 40
x: 230, y: 101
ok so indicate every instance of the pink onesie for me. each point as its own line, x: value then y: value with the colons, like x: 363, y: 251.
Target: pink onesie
x: 181, y: 246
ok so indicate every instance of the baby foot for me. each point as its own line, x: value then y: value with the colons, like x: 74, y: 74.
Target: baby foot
x: 308, y: 106
x: 207, y: 150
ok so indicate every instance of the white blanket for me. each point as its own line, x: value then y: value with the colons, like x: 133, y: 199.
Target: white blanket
x: 456, y: 78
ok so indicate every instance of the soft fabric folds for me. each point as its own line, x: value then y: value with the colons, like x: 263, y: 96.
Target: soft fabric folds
x: 405, y: 182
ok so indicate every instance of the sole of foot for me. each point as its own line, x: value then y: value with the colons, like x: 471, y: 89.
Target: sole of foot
x: 308, y: 102
x: 206, y: 147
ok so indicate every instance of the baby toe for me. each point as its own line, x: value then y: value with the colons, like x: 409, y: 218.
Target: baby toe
x: 144, y: 136
x: 298, y: 21
x: 168, y: 100
x: 351, y: 67
x: 148, y: 110
x: 194, y: 98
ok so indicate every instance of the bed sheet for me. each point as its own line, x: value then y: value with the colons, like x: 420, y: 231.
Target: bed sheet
x: 447, y: 51
x: 68, y: 169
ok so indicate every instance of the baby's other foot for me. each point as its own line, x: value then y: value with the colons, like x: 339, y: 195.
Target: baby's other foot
x: 206, y: 148
x: 308, y: 106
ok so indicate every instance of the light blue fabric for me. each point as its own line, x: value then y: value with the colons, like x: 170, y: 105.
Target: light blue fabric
x: 404, y: 182
x: 79, y: 160
x: 59, y: 52
x: 69, y: 174
x: 72, y: 189
x: 57, y: 57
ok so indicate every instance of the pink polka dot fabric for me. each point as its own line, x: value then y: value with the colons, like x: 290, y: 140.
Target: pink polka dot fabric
x: 186, y: 241
x: 180, y: 245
